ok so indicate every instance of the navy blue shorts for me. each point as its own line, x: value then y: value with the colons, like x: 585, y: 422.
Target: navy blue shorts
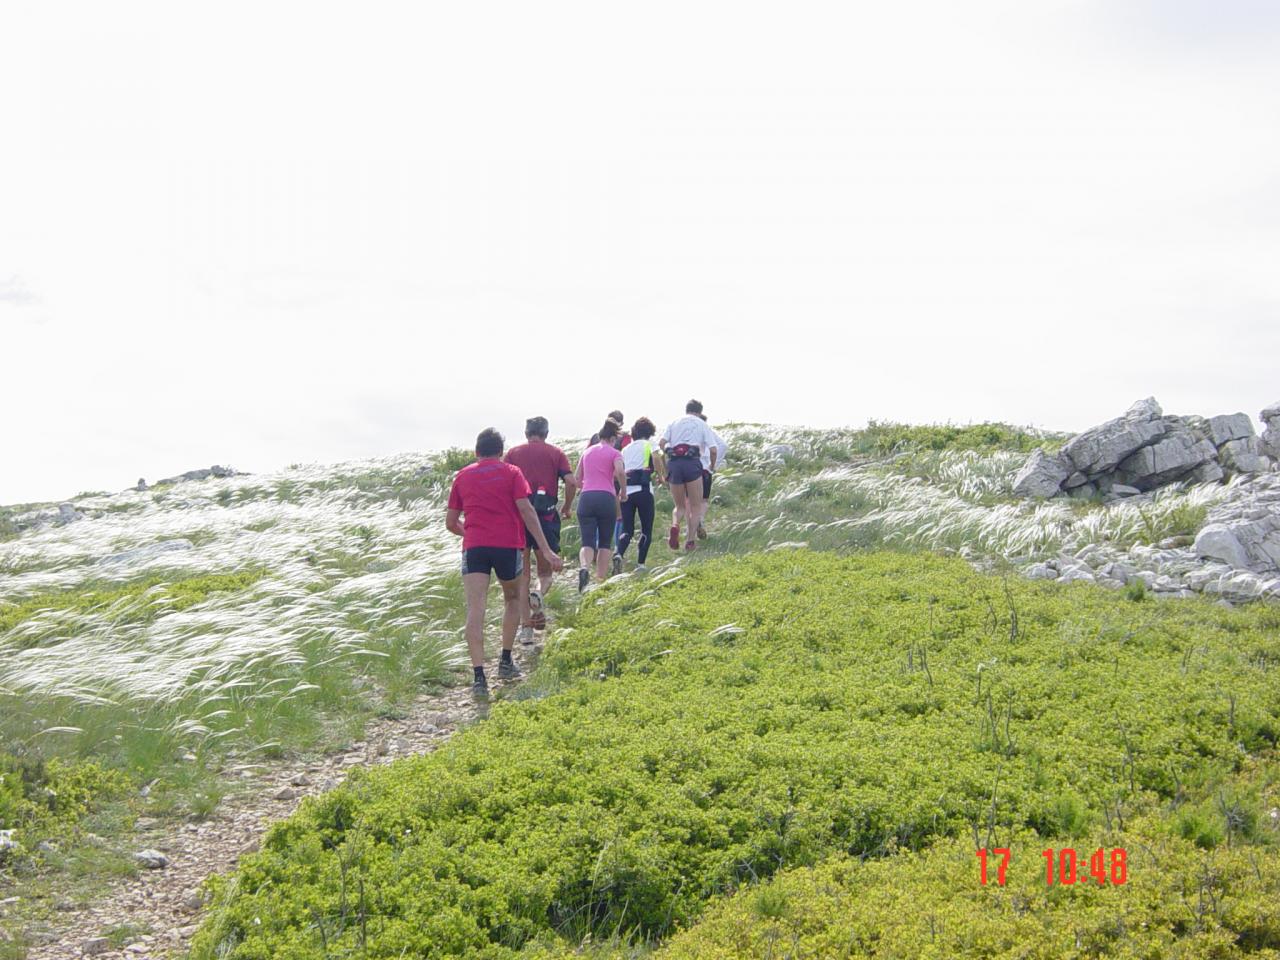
x: 506, y: 562
x: 684, y: 470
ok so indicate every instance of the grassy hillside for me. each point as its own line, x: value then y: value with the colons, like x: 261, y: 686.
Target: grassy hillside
x: 694, y: 735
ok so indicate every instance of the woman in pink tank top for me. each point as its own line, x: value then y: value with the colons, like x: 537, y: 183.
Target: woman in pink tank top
x: 603, y: 483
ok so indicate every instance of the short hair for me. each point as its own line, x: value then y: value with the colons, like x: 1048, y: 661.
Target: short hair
x: 616, y: 415
x: 609, y: 430
x: 536, y: 427
x: 489, y: 443
x: 693, y: 406
x: 643, y: 429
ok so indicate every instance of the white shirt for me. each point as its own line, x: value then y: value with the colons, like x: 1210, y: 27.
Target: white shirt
x: 692, y: 430
x: 634, y: 458
x: 706, y: 451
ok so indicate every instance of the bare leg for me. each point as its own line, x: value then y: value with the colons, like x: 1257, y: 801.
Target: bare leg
x: 511, y: 608
x: 693, y: 508
x: 586, y: 558
x: 476, y: 587
x: 679, y: 495
x: 526, y: 613
x: 603, y: 556
x: 545, y: 573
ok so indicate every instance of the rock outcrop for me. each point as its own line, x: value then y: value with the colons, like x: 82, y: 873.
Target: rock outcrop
x: 202, y: 474
x: 1145, y: 449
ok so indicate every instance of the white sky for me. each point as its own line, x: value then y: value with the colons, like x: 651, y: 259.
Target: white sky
x: 263, y: 233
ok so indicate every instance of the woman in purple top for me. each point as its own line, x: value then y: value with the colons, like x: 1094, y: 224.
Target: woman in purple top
x: 603, y: 483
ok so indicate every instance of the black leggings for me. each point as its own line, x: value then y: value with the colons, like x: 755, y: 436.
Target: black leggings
x: 642, y: 503
x: 597, y: 516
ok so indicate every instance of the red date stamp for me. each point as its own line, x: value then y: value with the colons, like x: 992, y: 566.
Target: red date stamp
x: 1062, y: 866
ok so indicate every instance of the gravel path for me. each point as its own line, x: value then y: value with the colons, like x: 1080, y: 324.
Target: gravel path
x: 166, y: 901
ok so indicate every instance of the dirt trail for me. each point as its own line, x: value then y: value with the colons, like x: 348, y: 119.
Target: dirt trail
x: 166, y: 902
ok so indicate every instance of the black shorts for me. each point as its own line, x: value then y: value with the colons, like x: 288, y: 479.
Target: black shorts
x: 706, y: 484
x: 550, y: 530
x: 684, y: 469
x: 597, y: 516
x: 506, y: 562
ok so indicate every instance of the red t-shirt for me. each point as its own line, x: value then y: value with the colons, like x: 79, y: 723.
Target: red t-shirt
x: 542, y: 465
x: 486, y: 492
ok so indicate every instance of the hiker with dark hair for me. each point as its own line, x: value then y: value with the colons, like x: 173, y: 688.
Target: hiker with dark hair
x: 489, y: 509
x: 683, y: 442
x: 621, y: 440
x: 643, y: 462
x: 603, y: 484
x: 543, y: 466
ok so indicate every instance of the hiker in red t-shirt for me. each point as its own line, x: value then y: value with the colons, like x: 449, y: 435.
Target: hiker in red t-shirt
x: 489, y: 509
x: 543, y: 466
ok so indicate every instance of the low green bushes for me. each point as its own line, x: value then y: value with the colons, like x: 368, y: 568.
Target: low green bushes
x: 40, y: 799
x: 740, y: 717
x: 1176, y: 902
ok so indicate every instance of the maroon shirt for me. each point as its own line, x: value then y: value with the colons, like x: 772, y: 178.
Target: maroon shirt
x: 542, y: 465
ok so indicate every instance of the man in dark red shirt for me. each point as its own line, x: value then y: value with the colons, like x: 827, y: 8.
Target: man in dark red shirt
x: 543, y: 466
x: 489, y: 509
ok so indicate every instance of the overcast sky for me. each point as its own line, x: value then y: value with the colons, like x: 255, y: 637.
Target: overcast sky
x: 266, y: 233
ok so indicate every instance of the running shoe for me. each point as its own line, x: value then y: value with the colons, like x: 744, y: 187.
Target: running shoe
x: 641, y: 568
x: 702, y: 532
x: 617, y: 564
x: 537, y: 615
x: 480, y: 689
x: 691, y: 546
x: 525, y: 636
x: 673, y: 538
x: 584, y: 577
x: 508, y: 671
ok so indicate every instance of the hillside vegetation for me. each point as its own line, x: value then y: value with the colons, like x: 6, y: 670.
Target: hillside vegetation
x: 700, y: 733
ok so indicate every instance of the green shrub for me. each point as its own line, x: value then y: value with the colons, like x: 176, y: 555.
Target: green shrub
x: 40, y: 799
x: 1176, y: 902
x: 884, y: 437
x: 756, y: 714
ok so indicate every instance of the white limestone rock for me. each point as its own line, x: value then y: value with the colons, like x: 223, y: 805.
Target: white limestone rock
x: 1228, y: 427
x: 1216, y: 541
x: 1041, y: 476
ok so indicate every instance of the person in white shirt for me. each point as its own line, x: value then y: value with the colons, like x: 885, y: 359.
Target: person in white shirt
x: 684, y: 442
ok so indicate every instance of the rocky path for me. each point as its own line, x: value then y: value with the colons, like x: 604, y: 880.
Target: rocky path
x: 165, y: 902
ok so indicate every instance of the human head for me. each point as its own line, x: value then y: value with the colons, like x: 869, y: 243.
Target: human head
x: 643, y: 429
x: 616, y: 415
x: 489, y: 443
x: 609, y: 430
x: 535, y: 427
x: 693, y: 406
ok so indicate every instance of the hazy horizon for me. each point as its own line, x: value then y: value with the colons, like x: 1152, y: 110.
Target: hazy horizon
x: 264, y: 234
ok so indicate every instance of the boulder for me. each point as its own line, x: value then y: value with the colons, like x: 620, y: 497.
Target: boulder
x: 1270, y: 440
x: 1148, y: 409
x: 1100, y: 449
x: 151, y: 859
x: 1041, y: 476
x: 1232, y: 426
x: 1124, y: 490
x: 1170, y: 458
x: 1216, y: 541
x: 1208, y: 472
x: 67, y: 514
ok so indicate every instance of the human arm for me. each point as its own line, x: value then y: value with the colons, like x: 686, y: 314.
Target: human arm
x: 570, y: 491
x: 620, y: 478
x: 660, y: 466
x: 573, y: 484
x: 531, y: 523
x: 453, y: 521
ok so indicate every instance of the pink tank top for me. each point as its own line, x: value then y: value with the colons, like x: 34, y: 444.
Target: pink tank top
x: 597, y: 468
